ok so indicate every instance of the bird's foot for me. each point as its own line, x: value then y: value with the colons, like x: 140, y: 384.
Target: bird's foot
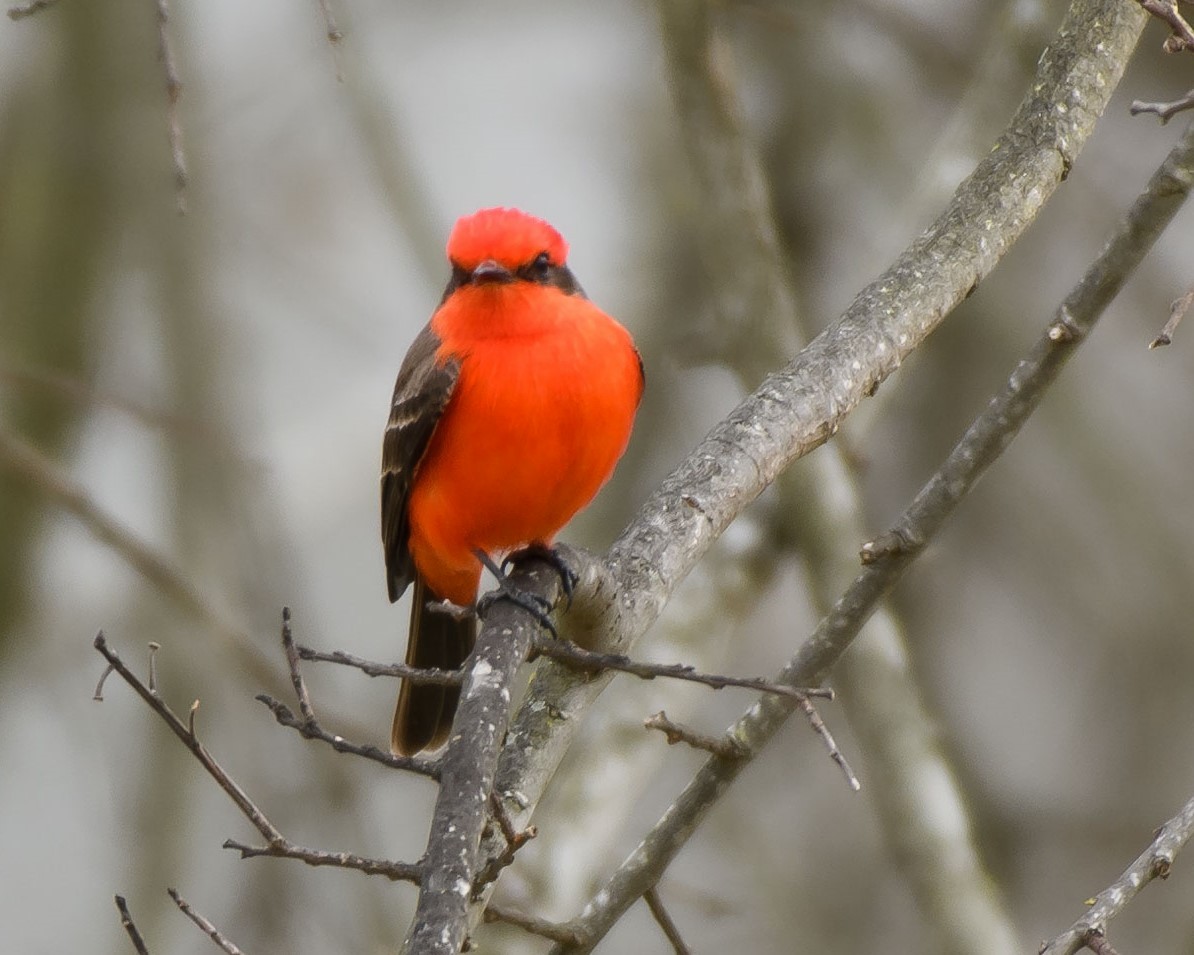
x: 549, y: 555
x: 533, y: 604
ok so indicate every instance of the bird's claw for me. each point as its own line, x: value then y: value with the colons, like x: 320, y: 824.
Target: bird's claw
x: 538, y: 607
x: 569, y: 578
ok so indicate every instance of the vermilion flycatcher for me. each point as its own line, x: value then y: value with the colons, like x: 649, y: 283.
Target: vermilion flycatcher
x: 511, y: 409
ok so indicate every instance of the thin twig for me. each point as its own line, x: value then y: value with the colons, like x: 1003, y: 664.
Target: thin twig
x: 19, y: 12
x: 723, y: 747
x: 311, y: 730
x: 210, y: 930
x: 173, y: 92
x: 1177, y: 311
x: 98, y: 696
x: 655, y: 904
x: 373, y: 668
x: 574, y: 656
x: 296, y: 676
x: 555, y: 931
x: 515, y: 839
x: 819, y: 727
x: 1154, y: 862
x: 278, y: 845
x: 126, y: 919
x: 394, y: 871
x: 154, y: 647
x: 217, y: 772
x: 1164, y: 110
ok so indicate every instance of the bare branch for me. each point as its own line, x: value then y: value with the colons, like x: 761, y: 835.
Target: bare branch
x: 986, y: 438
x: 210, y: 930
x: 1154, y: 862
x: 394, y: 871
x: 655, y: 904
x: 819, y: 727
x: 577, y: 657
x: 1177, y: 311
x: 725, y: 746
x: 296, y: 676
x: 372, y: 668
x: 1164, y: 110
x: 126, y: 919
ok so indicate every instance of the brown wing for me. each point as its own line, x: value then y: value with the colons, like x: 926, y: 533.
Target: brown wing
x: 420, y: 396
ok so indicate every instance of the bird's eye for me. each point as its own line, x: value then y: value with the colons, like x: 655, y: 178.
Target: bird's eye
x: 542, y: 265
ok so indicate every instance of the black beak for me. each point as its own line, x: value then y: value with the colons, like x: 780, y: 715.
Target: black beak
x: 491, y: 271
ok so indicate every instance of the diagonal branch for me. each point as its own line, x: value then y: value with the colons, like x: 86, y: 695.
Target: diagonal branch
x: 982, y: 444
x: 1153, y: 863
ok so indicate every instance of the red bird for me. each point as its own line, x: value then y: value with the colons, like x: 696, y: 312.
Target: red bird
x: 510, y: 411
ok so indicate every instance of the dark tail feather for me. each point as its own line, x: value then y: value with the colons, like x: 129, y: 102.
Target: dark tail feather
x: 425, y: 711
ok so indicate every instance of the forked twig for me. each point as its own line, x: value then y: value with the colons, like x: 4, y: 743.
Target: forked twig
x: 1166, y: 111
x: 373, y: 668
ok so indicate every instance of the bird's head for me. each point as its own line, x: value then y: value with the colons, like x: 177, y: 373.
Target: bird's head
x: 500, y: 246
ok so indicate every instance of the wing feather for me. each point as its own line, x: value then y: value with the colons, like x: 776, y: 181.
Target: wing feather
x: 421, y: 394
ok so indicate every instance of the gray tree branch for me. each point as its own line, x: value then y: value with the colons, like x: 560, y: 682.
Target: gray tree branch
x: 1153, y: 863
x: 886, y: 560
